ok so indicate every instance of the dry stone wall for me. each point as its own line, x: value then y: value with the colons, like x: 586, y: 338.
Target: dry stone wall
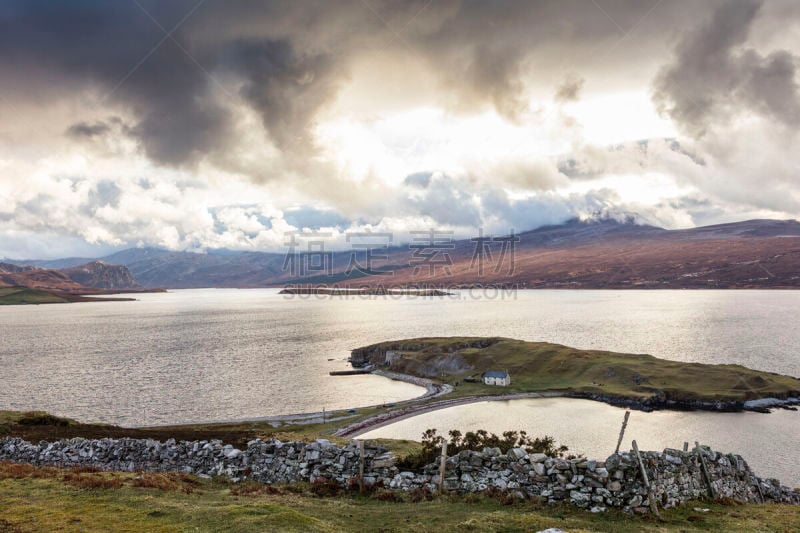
x: 676, y: 476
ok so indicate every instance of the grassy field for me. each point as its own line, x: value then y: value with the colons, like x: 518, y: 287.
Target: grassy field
x: 25, y: 295
x: 37, y: 425
x: 50, y: 499
x: 538, y: 366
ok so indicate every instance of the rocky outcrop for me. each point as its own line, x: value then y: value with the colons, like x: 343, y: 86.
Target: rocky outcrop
x: 676, y: 476
x: 36, y: 278
x: 100, y: 275
x: 375, y: 354
x: 75, y: 280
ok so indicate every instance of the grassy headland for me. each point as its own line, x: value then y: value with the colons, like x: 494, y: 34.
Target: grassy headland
x: 540, y: 367
x: 31, y: 296
x: 26, y: 295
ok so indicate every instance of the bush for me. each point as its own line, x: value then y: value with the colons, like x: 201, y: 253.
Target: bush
x: 323, y: 487
x: 9, y: 470
x: 41, y: 419
x: 91, y: 481
x: 171, y: 481
x: 504, y: 496
x: 387, y: 495
x: 477, y: 440
x: 420, y: 494
x: 294, y: 488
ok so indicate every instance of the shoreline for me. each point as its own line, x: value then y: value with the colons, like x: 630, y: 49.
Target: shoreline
x: 761, y: 405
x: 413, y: 406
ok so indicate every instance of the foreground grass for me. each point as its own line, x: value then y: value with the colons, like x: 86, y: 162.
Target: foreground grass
x: 51, y: 499
x: 539, y: 366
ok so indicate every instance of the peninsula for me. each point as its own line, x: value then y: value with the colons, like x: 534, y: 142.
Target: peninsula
x: 634, y: 380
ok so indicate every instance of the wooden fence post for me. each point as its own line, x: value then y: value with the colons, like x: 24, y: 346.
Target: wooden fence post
x: 361, y: 466
x: 651, y: 497
x: 442, y: 466
x: 622, y: 430
x: 704, y: 470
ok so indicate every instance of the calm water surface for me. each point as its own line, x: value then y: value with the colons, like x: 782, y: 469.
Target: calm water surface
x: 215, y: 354
x: 767, y: 442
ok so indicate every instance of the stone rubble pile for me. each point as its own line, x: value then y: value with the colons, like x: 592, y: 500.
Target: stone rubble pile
x: 675, y: 476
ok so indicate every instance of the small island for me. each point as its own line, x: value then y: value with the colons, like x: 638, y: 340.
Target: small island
x: 363, y: 291
x: 638, y: 381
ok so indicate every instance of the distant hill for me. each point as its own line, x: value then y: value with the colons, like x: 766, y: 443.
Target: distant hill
x: 75, y: 280
x: 101, y: 275
x: 590, y: 254
x: 36, y: 278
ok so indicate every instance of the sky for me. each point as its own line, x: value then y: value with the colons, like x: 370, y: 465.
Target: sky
x: 199, y: 125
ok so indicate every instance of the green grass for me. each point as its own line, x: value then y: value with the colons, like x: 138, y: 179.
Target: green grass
x: 25, y: 295
x: 49, y: 499
x: 539, y: 366
x: 38, y: 425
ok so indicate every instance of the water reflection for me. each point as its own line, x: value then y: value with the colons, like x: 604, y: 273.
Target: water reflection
x: 767, y: 442
x: 215, y: 354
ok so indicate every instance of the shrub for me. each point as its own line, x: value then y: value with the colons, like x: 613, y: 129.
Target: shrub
x: 294, y: 488
x: 323, y: 487
x: 171, y: 481
x: 502, y: 495
x: 477, y: 440
x: 9, y: 470
x: 91, y: 481
x: 420, y: 494
x: 41, y: 419
x: 85, y: 469
x: 386, y: 495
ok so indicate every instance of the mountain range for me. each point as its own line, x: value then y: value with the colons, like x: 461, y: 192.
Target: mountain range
x: 591, y: 254
x: 92, y: 277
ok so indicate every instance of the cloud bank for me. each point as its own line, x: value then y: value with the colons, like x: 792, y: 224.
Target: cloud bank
x: 198, y: 125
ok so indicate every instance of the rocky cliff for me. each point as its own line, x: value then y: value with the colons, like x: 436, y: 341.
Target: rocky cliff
x: 36, y: 278
x: 101, y: 275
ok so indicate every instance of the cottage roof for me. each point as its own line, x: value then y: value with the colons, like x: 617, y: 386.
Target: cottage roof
x: 502, y: 374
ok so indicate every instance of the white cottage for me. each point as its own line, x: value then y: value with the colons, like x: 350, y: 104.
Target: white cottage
x: 497, y: 377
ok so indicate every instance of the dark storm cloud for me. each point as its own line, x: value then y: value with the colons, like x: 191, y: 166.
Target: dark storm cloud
x: 714, y: 76
x: 287, y: 60
x: 287, y: 88
x: 105, y: 46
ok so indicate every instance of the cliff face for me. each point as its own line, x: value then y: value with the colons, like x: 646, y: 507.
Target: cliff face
x: 37, y: 278
x: 100, y: 275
